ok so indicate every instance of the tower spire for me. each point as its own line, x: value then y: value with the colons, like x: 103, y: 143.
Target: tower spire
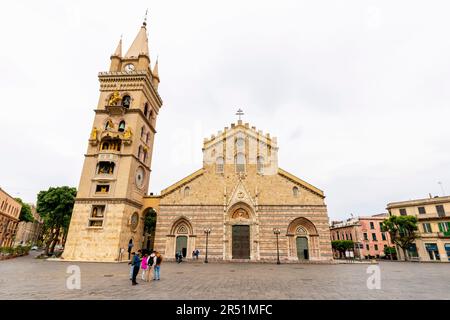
x: 140, y: 43
x: 118, y: 51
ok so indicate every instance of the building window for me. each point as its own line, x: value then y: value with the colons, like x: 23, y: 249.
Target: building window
x: 383, y: 236
x: 260, y: 165
x: 433, y: 251
x: 367, y: 247
x: 337, y: 234
x: 422, y: 210
x: 381, y: 225
x: 142, y: 132
x: 219, y: 165
x: 126, y: 101
x: 365, y: 236
x: 146, y: 110
x: 351, y: 238
x: 97, y: 215
x: 240, y: 162
x: 444, y: 226
x: 147, y: 136
x: 105, y: 167
x: 447, y: 250
x: 295, y: 191
x: 374, y: 236
x: 376, y: 247
x: 187, y: 191
x: 240, y: 142
x: 372, y: 226
x: 440, y: 210
x: 102, y: 188
x: 403, y: 212
x: 109, y: 125
x: 140, y: 152
x: 427, y: 228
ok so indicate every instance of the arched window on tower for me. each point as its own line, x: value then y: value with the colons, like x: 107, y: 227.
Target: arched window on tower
x: 240, y: 162
x: 150, y: 116
x: 145, y: 156
x: 260, y: 164
x: 105, y: 167
x: 295, y: 191
x: 147, y: 136
x: 111, y: 144
x: 219, y: 165
x: 126, y: 101
x: 146, y: 110
x: 109, y: 125
x: 140, y: 152
x: 142, y: 132
x: 122, y: 126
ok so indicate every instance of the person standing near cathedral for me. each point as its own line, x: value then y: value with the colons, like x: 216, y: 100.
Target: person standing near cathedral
x: 135, y: 263
x: 157, y: 266
x: 130, y: 246
x: 144, y: 267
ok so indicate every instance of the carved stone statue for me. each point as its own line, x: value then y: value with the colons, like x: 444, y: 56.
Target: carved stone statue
x: 114, y: 98
x: 127, y: 133
x: 94, y: 133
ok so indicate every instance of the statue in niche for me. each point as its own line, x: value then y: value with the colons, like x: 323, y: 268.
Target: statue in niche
x: 114, y: 99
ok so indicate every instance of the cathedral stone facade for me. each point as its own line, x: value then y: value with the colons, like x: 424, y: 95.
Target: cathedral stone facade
x: 240, y: 199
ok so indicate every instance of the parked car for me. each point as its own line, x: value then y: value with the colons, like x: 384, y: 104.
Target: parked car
x: 34, y: 248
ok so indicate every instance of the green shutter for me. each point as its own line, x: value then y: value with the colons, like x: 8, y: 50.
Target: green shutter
x: 441, y: 228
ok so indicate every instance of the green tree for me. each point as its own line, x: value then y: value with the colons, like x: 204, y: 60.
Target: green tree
x: 390, y: 252
x: 25, y: 212
x: 402, y: 230
x: 342, y: 246
x: 150, y: 221
x: 55, y: 206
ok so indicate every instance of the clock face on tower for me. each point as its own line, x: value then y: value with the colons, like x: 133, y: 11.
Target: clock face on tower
x: 139, y: 177
x: 129, y: 67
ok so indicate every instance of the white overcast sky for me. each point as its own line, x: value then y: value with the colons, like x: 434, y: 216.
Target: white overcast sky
x: 357, y: 92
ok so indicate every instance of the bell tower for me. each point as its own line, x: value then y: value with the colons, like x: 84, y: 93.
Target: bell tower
x: 115, y: 177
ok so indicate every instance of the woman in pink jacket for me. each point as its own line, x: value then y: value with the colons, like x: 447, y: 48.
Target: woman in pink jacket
x: 144, y: 267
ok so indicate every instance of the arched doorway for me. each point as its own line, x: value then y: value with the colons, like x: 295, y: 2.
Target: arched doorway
x: 181, y: 238
x: 303, y: 240
x: 240, y: 234
x: 181, y: 246
x: 302, y: 248
x: 149, y: 229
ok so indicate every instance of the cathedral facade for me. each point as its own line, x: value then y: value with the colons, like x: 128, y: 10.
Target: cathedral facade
x: 241, y: 206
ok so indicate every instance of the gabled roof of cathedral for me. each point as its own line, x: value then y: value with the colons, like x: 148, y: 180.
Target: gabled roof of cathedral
x: 139, y: 45
x: 182, y: 182
x: 300, y: 182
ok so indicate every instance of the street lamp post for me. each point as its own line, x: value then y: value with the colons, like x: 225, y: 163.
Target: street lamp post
x: 207, y: 232
x: 277, y: 232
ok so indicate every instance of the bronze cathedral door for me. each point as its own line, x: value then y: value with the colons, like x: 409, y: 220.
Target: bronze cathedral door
x: 241, y: 242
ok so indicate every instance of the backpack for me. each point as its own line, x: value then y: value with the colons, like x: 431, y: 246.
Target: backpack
x: 158, y: 260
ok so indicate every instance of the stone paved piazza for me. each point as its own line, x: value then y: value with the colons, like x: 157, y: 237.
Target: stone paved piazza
x: 28, y: 278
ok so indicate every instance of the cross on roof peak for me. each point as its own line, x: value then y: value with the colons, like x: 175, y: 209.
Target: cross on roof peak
x: 240, y: 113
